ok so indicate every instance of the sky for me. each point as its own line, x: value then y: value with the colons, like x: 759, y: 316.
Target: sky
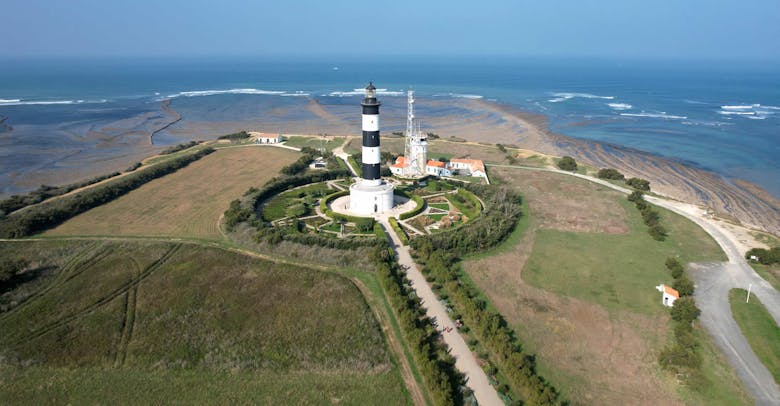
x: 674, y: 29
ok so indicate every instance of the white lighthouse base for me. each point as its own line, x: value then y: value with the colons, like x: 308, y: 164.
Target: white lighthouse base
x: 366, y: 199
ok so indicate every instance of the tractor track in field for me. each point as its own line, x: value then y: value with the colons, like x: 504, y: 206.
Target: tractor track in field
x: 128, y: 319
x: 74, y: 267
x: 104, y: 300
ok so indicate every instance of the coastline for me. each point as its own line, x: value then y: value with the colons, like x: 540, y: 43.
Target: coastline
x: 732, y: 199
x: 115, y: 145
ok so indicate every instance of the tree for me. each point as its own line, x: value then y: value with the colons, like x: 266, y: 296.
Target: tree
x: 609, y: 173
x: 640, y: 184
x: 684, y: 286
x: 636, y: 196
x: 675, y: 267
x: 501, y: 147
x: 685, y: 310
x: 567, y: 163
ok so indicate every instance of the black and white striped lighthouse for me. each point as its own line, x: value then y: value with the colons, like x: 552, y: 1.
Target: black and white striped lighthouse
x: 370, y: 155
x: 370, y: 194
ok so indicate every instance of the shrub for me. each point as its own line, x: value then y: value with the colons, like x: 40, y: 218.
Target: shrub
x: 766, y: 257
x: 639, y: 184
x: 234, y: 136
x: 609, y: 173
x: 567, y: 163
x: 685, y: 310
x: 684, y: 286
x: 420, y: 206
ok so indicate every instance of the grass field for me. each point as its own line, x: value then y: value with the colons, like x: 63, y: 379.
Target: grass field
x: 314, y: 142
x: 576, y: 281
x: 187, y: 203
x: 759, y: 328
x: 143, y: 323
x: 770, y: 273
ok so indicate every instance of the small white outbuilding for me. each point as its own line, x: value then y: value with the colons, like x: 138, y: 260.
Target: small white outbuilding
x: 668, y: 295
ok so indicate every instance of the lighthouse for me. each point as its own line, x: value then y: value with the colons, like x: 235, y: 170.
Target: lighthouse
x: 370, y: 154
x: 370, y: 194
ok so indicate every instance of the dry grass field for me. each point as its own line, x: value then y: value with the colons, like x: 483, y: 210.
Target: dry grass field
x: 576, y: 284
x: 187, y: 203
x: 154, y: 323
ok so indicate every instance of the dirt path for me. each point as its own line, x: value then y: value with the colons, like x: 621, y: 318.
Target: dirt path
x: 465, y: 361
x: 339, y: 152
x: 713, y: 282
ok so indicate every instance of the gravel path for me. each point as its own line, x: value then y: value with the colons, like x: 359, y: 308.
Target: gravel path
x: 476, y: 379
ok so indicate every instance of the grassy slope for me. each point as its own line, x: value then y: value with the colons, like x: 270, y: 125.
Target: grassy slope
x: 186, y: 203
x: 206, y: 322
x: 617, y: 271
x: 314, y: 142
x: 604, y: 307
x: 759, y: 327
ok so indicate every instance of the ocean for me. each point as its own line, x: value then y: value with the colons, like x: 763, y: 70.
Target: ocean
x: 723, y: 117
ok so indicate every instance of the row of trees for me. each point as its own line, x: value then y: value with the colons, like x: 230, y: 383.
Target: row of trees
x: 16, y: 202
x: 439, y: 253
x: 234, y: 136
x: 614, y: 174
x: 179, y: 147
x: 302, y: 163
x: 51, y: 213
x: 682, y: 356
x: 650, y: 215
x: 436, y: 366
x: 497, y: 221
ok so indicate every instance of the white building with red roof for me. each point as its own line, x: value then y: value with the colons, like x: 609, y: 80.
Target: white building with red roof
x: 668, y: 294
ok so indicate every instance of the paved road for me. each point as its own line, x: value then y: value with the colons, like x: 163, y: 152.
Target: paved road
x: 713, y: 282
x: 476, y: 379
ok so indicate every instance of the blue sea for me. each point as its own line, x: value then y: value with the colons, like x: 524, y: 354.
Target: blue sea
x: 720, y: 116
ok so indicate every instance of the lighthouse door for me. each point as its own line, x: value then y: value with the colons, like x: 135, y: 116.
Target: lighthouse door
x: 374, y: 208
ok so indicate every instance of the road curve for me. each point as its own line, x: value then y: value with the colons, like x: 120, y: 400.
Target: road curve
x: 713, y: 282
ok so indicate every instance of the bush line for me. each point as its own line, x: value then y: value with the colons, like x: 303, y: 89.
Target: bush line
x: 52, y: 213
x: 436, y: 366
x: 650, y: 216
x: 440, y: 252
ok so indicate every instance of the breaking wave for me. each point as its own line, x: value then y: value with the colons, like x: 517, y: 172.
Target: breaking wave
x: 560, y: 97
x: 620, y: 106
x: 19, y: 102
x: 196, y: 93
x: 360, y: 92
x: 655, y: 115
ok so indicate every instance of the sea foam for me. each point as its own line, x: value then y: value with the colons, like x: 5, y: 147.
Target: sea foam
x: 620, y: 106
x: 18, y: 102
x: 196, y: 93
x: 655, y: 115
x: 560, y: 97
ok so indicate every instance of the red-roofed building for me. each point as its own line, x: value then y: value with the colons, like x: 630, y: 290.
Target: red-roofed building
x: 437, y: 168
x: 668, y: 294
x: 474, y: 167
x: 398, y: 167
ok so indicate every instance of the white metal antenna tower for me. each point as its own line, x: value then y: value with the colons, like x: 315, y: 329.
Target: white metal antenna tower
x: 415, y: 145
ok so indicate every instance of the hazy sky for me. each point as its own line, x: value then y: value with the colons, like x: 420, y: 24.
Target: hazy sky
x: 613, y: 28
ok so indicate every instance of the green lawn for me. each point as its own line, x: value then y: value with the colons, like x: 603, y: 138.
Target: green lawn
x: 618, y: 271
x: 442, y: 206
x: 314, y: 142
x: 770, y: 273
x: 275, y: 208
x: 759, y: 328
x: 138, y: 322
